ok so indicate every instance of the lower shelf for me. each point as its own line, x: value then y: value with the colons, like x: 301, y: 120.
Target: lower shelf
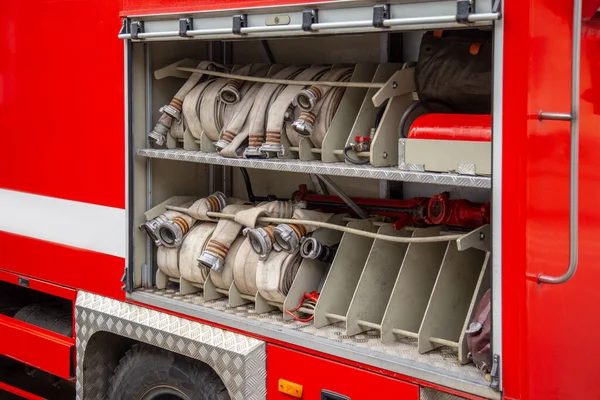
x: 439, y: 366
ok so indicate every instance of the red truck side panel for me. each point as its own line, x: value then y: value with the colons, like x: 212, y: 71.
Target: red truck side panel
x: 316, y: 374
x: 548, y: 348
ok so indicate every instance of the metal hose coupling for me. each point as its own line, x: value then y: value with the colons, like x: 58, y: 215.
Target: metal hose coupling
x: 213, y: 256
x: 162, y: 127
x: 151, y: 227
x: 262, y: 241
x: 230, y: 93
x: 172, y: 232
x: 308, y: 98
x: 305, y: 124
x: 288, y: 236
x: 313, y: 249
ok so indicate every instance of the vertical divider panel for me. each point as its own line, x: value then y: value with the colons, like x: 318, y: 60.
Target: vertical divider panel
x: 261, y: 305
x: 414, y: 285
x: 347, y: 113
x: 305, y: 152
x: 377, y: 281
x: 452, y: 295
x: 344, y: 274
x: 235, y: 297
x: 187, y: 287
x: 311, y: 272
x: 161, y: 279
x: 483, y: 284
x: 210, y: 290
x: 189, y: 141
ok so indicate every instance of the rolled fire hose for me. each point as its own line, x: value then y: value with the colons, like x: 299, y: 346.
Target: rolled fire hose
x: 230, y: 140
x: 225, y: 233
x: 173, y: 109
x: 318, y: 105
x: 244, y: 269
x: 288, y: 236
x: 224, y: 278
x: 232, y: 92
x: 191, y: 110
x: 257, y: 117
x: 151, y: 227
x: 182, y: 220
x: 172, y: 231
x: 190, y: 250
x: 275, y: 275
x: 282, y: 110
x: 167, y: 259
x: 261, y: 238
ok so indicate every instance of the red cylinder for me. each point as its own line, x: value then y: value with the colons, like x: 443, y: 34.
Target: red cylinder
x: 467, y: 127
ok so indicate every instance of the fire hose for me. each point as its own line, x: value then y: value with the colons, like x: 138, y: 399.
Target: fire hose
x: 194, y: 244
x: 275, y: 275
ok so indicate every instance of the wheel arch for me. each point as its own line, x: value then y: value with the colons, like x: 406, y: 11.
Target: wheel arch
x: 107, y: 328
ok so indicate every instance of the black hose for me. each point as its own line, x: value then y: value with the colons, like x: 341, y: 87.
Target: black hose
x: 353, y: 160
x: 416, y: 105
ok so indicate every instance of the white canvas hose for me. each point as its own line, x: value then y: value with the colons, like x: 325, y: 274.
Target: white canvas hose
x: 317, y: 105
x: 172, y: 231
x: 261, y: 238
x: 167, y: 260
x: 232, y: 92
x: 275, y: 275
x: 340, y: 228
x: 288, y: 236
x: 224, y: 278
x: 225, y: 233
x: 190, y: 250
x: 258, y: 114
x: 282, y: 110
x: 173, y: 109
x: 244, y: 269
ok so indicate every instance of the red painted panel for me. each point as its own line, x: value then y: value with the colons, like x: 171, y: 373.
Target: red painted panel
x: 141, y: 7
x: 37, y: 347
x: 19, y: 392
x: 316, y: 374
x: 63, y: 265
x: 547, y: 352
x: 40, y: 286
x: 61, y: 100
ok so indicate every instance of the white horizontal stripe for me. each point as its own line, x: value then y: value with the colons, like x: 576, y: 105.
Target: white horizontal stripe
x: 83, y: 225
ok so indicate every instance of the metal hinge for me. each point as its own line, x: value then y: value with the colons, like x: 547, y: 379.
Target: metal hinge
x: 126, y: 27
x: 127, y: 280
x: 239, y: 22
x: 136, y: 27
x: 309, y: 17
x: 381, y: 12
x: 464, y: 8
x: 495, y: 372
x: 185, y: 25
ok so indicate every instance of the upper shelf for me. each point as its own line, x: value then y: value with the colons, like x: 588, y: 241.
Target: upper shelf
x: 310, y: 19
x: 322, y: 168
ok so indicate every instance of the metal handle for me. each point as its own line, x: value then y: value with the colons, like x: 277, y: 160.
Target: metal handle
x: 573, y: 118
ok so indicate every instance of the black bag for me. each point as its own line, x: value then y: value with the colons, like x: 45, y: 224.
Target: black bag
x: 456, y: 67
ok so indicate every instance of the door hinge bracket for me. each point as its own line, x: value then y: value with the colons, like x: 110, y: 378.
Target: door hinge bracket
x: 309, y: 17
x: 136, y: 28
x: 381, y: 12
x: 126, y: 27
x: 185, y: 25
x: 239, y: 21
x: 464, y: 8
x: 495, y: 372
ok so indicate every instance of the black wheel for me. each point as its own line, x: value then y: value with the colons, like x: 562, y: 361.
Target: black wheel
x: 149, y: 373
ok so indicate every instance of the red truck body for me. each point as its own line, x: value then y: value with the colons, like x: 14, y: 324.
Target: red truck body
x: 61, y: 101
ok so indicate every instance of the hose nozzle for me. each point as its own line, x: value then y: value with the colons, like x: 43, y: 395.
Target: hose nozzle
x: 313, y: 249
x: 288, y: 236
x: 151, y: 227
x: 213, y: 256
x: 261, y: 240
x: 307, y: 99
x: 172, y: 232
x: 304, y: 125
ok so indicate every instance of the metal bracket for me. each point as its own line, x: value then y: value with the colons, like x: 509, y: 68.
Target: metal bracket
x: 495, y: 372
x: 136, y: 28
x: 126, y: 27
x: 185, y: 24
x: 464, y: 8
x: 381, y: 12
x: 239, y: 22
x: 309, y: 17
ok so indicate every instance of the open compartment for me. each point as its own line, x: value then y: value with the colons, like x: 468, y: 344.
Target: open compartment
x: 392, y: 272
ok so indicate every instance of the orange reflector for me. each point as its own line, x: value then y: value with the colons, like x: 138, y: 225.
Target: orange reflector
x: 290, y: 388
x: 438, y: 34
x: 474, y: 50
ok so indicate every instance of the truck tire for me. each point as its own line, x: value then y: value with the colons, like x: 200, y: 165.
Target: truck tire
x: 53, y: 319
x: 150, y: 373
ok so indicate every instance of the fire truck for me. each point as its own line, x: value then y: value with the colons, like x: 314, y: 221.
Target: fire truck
x: 253, y: 199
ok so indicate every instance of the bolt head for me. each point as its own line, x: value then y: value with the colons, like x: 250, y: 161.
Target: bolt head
x: 394, y: 85
x: 385, y: 155
x: 482, y: 236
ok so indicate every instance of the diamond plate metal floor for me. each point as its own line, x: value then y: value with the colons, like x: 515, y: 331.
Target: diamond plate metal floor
x: 443, y: 359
